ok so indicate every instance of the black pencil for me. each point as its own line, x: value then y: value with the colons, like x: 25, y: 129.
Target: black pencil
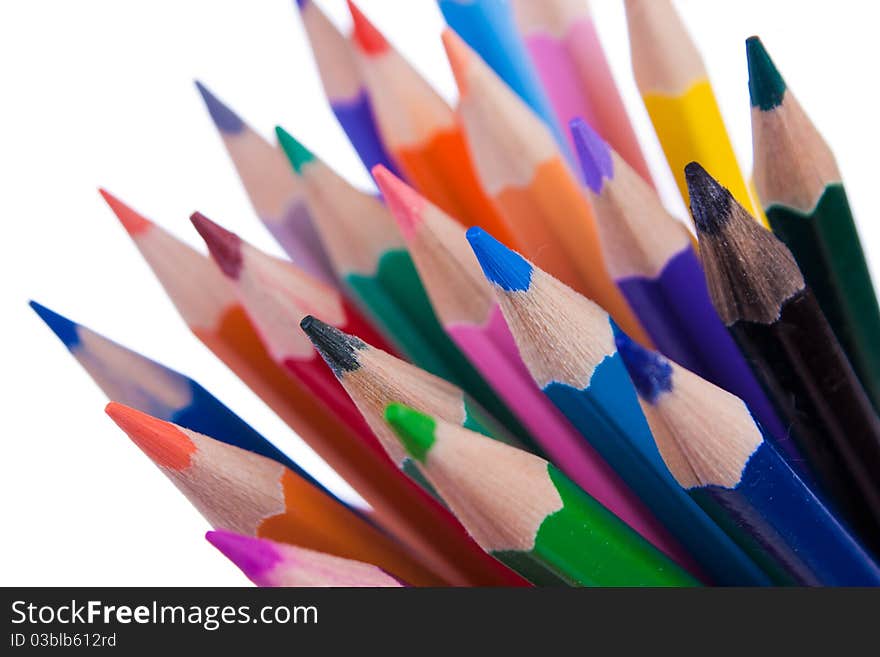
x: 761, y: 296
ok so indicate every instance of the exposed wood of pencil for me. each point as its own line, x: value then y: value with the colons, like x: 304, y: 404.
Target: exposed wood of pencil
x: 208, y: 305
x: 252, y: 495
x: 521, y: 167
x: 421, y: 131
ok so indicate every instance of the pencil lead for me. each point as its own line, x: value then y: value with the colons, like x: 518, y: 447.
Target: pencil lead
x: 296, y: 153
x: 460, y: 58
x: 649, y: 371
x: 593, y: 154
x: 414, y: 430
x: 60, y: 325
x: 224, y: 118
x: 162, y: 442
x: 405, y: 203
x: 503, y: 267
x: 302, y: 3
x: 338, y: 349
x: 224, y: 246
x: 254, y: 556
x: 366, y: 36
x: 132, y: 221
x: 710, y: 201
x: 766, y: 85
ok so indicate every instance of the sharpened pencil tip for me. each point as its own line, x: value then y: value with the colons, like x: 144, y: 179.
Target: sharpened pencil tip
x: 297, y: 154
x: 337, y: 348
x: 164, y: 443
x: 65, y: 329
x: 223, y: 245
x: 593, y: 154
x: 224, y: 118
x: 766, y: 85
x: 405, y: 203
x: 501, y: 266
x: 255, y: 557
x: 460, y: 58
x: 650, y: 372
x: 710, y: 201
x: 133, y: 222
x: 415, y: 430
x: 366, y: 36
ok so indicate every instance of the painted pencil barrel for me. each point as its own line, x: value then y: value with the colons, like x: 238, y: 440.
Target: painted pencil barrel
x: 355, y: 115
x: 778, y: 520
x: 826, y: 245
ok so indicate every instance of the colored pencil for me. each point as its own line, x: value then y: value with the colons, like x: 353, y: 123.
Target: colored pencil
x: 421, y: 132
x: 489, y: 27
x: 374, y: 378
x: 717, y: 452
x: 252, y: 495
x: 471, y: 315
x: 567, y: 342
x: 565, y: 48
x: 208, y: 305
x: 761, y: 296
x: 276, y: 295
x: 675, y: 88
x: 802, y: 192
x: 129, y: 378
x: 370, y: 258
x: 344, y: 85
x: 651, y: 257
x: 275, y: 193
x: 277, y: 298
x: 528, y: 514
x: 522, y: 169
x: 268, y: 563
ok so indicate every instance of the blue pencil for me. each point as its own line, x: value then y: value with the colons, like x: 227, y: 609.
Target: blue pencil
x: 651, y: 257
x: 344, y: 86
x: 489, y: 27
x: 567, y: 342
x: 718, y: 454
x: 129, y: 378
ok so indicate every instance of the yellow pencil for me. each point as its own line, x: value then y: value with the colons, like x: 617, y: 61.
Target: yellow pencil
x: 675, y: 88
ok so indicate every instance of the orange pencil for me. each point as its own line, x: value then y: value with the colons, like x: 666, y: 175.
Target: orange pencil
x: 255, y: 496
x: 420, y: 131
x: 209, y: 307
x: 522, y: 169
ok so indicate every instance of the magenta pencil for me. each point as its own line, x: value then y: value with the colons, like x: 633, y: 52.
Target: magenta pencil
x: 268, y: 563
x: 468, y: 310
x: 564, y: 46
x: 275, y: 192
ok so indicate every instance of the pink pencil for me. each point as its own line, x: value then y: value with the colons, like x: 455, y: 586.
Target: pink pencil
x: 561, y: 38
x: 468, y: 310
x: 267, y: 563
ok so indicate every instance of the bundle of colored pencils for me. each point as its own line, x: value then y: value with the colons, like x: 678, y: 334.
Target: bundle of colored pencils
x: 515, y: 354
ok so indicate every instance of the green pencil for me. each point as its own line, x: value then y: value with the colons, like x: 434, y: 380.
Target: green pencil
x: 369, y: 255
x: 526, y: 513
x: 800, y: 188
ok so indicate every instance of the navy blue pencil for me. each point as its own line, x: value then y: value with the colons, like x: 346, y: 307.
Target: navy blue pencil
x: 129, y: 378
x: 718, y: 454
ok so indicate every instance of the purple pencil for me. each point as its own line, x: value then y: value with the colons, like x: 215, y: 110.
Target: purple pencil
x: 344, y: 86
x: 275, y: 192
x: 651, y: 257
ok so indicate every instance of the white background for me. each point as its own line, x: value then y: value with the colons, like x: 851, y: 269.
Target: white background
x: 100, y: 93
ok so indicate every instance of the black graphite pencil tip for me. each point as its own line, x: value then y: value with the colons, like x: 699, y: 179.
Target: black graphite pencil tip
x: 338, y: 349
x: 710, y: 201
